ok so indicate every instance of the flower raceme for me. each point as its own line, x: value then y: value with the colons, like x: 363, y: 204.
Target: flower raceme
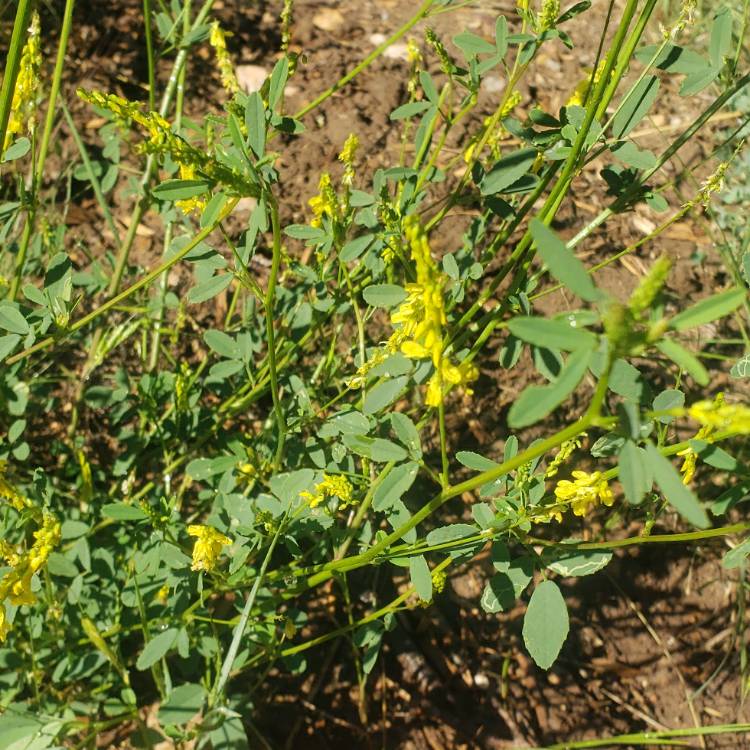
x: 332, y: 485
x: 23, y: 107
x: 15, y: 585
x: 218, y: 40
x: 582, y: 495
x: 208, y: 545
x: 421, y: 319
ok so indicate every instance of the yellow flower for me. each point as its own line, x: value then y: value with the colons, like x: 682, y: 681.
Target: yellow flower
x: 20, y: 590
x: 448, y: 375
x: 26, y: 92
x: 207, y: 547
x: 549, y: 13
x: 46, y: 539
x: 217, y: 39
x: 585, y: 492
x: 325, y: 203
x: 336, y: 485
x: 578, y: 97
x: 438, y: 580
x: 196, y: 203
x: 348, y: 152
x: 720, y: 416
x: 7, y: 492
x: 4, y: 624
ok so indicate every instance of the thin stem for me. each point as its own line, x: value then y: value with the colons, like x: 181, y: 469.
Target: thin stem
x: 268, y: 301
x: 234, y: 647
x: 149, y: 54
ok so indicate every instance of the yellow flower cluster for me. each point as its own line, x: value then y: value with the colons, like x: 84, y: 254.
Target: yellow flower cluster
x: 331, y: 486
x: 196, y: 203
x: 549, y: 13
x: 15, y: 586
x: 578, y: 97
x: 25, y: 95
x: 208, y: 546
x: 348, y: 152
x: 218, y: 40
x: 690, y: 459
x: 10, y: 494
x: 163, y: 140
x: 421, y: 317
x: 325, y: 203
x: 721, y: 416
x: 584, y: 493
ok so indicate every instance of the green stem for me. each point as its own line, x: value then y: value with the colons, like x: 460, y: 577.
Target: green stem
x: 234, y: 647
x: 149, y: 54
x: 268, y: 302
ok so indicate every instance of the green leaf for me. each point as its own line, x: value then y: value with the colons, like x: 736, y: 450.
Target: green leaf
x: 156, y: 648
x: 396, y: 483
x: 553, y: 334
x: 562, y: 264
x: 409, y: 110
x: 398, y: 515
x: 421, y: 578
x: 255, y: 120
x: 450, y: 533
x: 377, y: 449
x: 383, y: 394
x: 12, y: 320
x: 501, y: 36
x: 630, y: 155
x: 279, y: 76
x: 673, y: 58
x: 635, y: 106
x: 183, y: 704
x: 537, y: 402
x: 684, y: 359
x: 499, y: 594
x: 123, y: 512
x: 546, y: 624
x: 475, y: 461
x: 696, y: 82
x: 8, y: 344
x: 713, y: 455
x: 471, y: 44
x: 354, y: 248
x: 384, y: 295
x: 676, y: 493
x: 223, y: 344
x: 507, y: 171
x: 210, y: 288
x: 708, y: 309
x: 721, y: 37
x: 407, y: 433
x: 634, y: 472
x: 573, y: 563
x: 177, y: 190
x: 203, y: 468
x: 668, y: 399
x: 735, y: 557
x: 59, y: 565
x: 740, y: 369
x: 304, y: 232
x: 16, y: 150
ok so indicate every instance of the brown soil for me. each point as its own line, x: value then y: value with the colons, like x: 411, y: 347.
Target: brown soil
x: 654, y: 638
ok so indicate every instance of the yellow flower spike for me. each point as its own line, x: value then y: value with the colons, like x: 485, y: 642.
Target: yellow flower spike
x: 218, y: 40
x: 578, y: 97
x: 347, y: 155
x: 566, y: 451
x: 720, y: 416
x: 332, y: 485
x: 196, y: 203
x: 9, y: 493
x: 585, y: 492
x: 325, y: 202
x: 25, y: 95
x: 208, y: 546
x: 20, y: 590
